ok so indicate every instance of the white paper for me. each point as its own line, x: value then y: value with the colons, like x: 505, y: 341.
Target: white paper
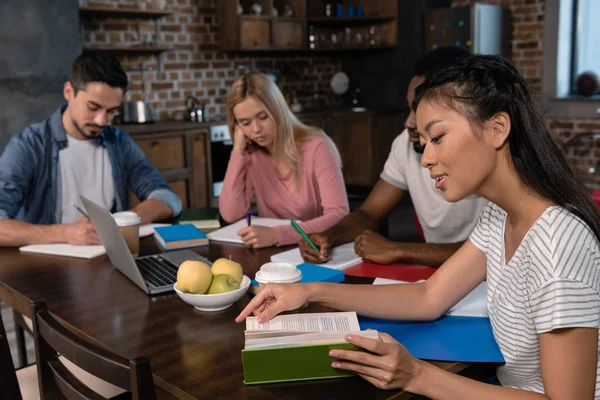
x: 342, y: 257
x: 229, y: 233
x: 383, y: 281
x: 64, y: 249
x: 309, y: 322
x: 473, y: 304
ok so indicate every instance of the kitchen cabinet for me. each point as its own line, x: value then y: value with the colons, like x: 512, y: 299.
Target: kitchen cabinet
x: 179, y: 151
x: 363, y: 138
x: 314, y: 25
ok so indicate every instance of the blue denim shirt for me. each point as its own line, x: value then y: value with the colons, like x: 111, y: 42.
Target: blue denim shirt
x: 30, y: 186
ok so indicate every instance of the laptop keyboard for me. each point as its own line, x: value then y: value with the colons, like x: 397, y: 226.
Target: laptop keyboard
x: 157, y: 271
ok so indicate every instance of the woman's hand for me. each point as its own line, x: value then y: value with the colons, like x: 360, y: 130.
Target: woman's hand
x: 240, y: 141
x: 390, y: 366
x: 275, y: 298
x: 259, y: 236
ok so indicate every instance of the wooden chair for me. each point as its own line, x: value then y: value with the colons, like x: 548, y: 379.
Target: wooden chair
x: 20, y: 384
x: 23, y: 325
x: 56, y: 378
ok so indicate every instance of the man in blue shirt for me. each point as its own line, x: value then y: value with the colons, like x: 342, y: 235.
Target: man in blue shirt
x: 45, y: 168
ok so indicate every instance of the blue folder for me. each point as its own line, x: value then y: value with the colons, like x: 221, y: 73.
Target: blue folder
x: 465, y: 339
x: 316, y: 273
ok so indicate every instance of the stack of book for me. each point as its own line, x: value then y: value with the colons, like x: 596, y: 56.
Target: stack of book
x: 202, y: 218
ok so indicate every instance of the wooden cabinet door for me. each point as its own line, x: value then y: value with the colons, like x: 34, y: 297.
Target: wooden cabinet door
x: 200, y: 173
x: 288, y: 34
x: 181, y: 189
x: 254, y: 34
x: 164, y: 153
x: 351, y: 133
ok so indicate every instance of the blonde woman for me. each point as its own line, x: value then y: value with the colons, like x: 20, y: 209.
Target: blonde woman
x: 291, y: 169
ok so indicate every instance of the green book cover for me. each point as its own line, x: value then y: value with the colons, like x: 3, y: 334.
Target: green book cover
x: 199, y: 214
x: 292, y: 363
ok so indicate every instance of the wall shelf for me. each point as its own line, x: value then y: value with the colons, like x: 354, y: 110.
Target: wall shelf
x: 126, y: 50
x: 97, y: 10
x: 349, y: 20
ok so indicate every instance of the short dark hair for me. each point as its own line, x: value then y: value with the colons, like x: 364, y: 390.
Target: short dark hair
x: 103, y: 68
x: 439, y: 58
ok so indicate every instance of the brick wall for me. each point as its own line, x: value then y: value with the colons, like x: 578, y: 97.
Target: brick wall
x: 196, y: 66
x: 527, y: 53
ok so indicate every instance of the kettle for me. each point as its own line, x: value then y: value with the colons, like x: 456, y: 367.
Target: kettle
x: 137, y: 112
x: 196, y: 111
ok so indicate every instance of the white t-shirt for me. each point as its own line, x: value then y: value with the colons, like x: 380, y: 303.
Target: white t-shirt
x: 442, y: 221
x: 84, y: 169
x: 552, y: 281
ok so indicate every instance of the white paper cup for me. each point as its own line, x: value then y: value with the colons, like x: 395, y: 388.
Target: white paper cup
x: 129, y: 225
x: 278, y: 272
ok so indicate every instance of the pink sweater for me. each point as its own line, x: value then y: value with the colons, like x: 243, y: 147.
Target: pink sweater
x: 319, y: 199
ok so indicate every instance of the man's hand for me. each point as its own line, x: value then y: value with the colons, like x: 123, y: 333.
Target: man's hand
x: 257, y: 237
x: 80, y: 233
x: 322, y: 241
x: 373, y: 247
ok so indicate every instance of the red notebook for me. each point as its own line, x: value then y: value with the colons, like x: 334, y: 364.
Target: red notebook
x: 400, y: 272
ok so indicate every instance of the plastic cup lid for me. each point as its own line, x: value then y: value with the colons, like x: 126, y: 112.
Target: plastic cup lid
x: 278, y: 272
x: 127, y: 218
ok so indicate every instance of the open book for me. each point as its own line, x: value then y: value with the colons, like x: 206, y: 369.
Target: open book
x: 342, y: 257
x: 296, y: 346
x: 229, y: 234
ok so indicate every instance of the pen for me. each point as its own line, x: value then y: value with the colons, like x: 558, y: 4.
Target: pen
x: 80, y: 210
x: 249, y: 218
x: 300, y: 231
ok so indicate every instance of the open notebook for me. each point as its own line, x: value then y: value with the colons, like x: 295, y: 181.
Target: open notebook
x: 342, y: 257
x: 229, y: 233
x: 64, y: 249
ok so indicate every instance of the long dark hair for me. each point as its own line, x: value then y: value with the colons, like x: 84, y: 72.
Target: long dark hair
x: 479, y: 87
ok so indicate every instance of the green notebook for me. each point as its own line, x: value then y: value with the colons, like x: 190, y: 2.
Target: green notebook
x: 296, y: 347
x: 202, y: 218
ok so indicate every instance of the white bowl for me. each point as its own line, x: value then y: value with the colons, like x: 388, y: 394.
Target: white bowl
x: 214, y: 302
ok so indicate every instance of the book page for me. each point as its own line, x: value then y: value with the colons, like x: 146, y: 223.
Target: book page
x: 473, y: 304
x: 306, y: 339
x: 342, y: 257
x: 229, y: 234
x: 310, y: 322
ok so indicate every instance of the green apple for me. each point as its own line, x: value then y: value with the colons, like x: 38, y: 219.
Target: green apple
x: 223, y: 283
x: 194, y: 277
x: 229, y: 267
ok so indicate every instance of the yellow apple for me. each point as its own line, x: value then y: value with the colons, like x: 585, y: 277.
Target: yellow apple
x: 223, y: 283
x: 194, y: 277
x: 229, y: 267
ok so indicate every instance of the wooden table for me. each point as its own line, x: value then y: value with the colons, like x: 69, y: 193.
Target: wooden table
x: 194, y: 355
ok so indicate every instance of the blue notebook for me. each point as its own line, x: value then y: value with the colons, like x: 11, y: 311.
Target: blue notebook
x: 316, y: 273
x: 180, y: 236
x: 449, y: 338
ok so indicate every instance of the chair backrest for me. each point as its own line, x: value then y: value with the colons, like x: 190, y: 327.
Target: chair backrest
x: 56, y: 381
x: 9, y: 386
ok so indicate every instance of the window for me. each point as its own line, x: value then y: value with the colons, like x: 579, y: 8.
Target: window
x: 571, y: 36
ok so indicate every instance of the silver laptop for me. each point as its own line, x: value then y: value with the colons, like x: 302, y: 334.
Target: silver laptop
x: 153, y: 274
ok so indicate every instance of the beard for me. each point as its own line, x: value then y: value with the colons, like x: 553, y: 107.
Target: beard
x: 87, y: 136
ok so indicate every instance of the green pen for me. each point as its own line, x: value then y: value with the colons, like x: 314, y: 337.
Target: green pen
x: 300, y: 231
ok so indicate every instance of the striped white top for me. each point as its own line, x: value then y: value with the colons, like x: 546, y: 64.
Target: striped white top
x: 551, y: 282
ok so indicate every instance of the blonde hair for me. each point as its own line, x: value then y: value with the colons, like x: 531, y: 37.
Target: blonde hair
x: 288, y: 129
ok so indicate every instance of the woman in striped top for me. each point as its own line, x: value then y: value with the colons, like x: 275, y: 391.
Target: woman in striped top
x: 536, y: 243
